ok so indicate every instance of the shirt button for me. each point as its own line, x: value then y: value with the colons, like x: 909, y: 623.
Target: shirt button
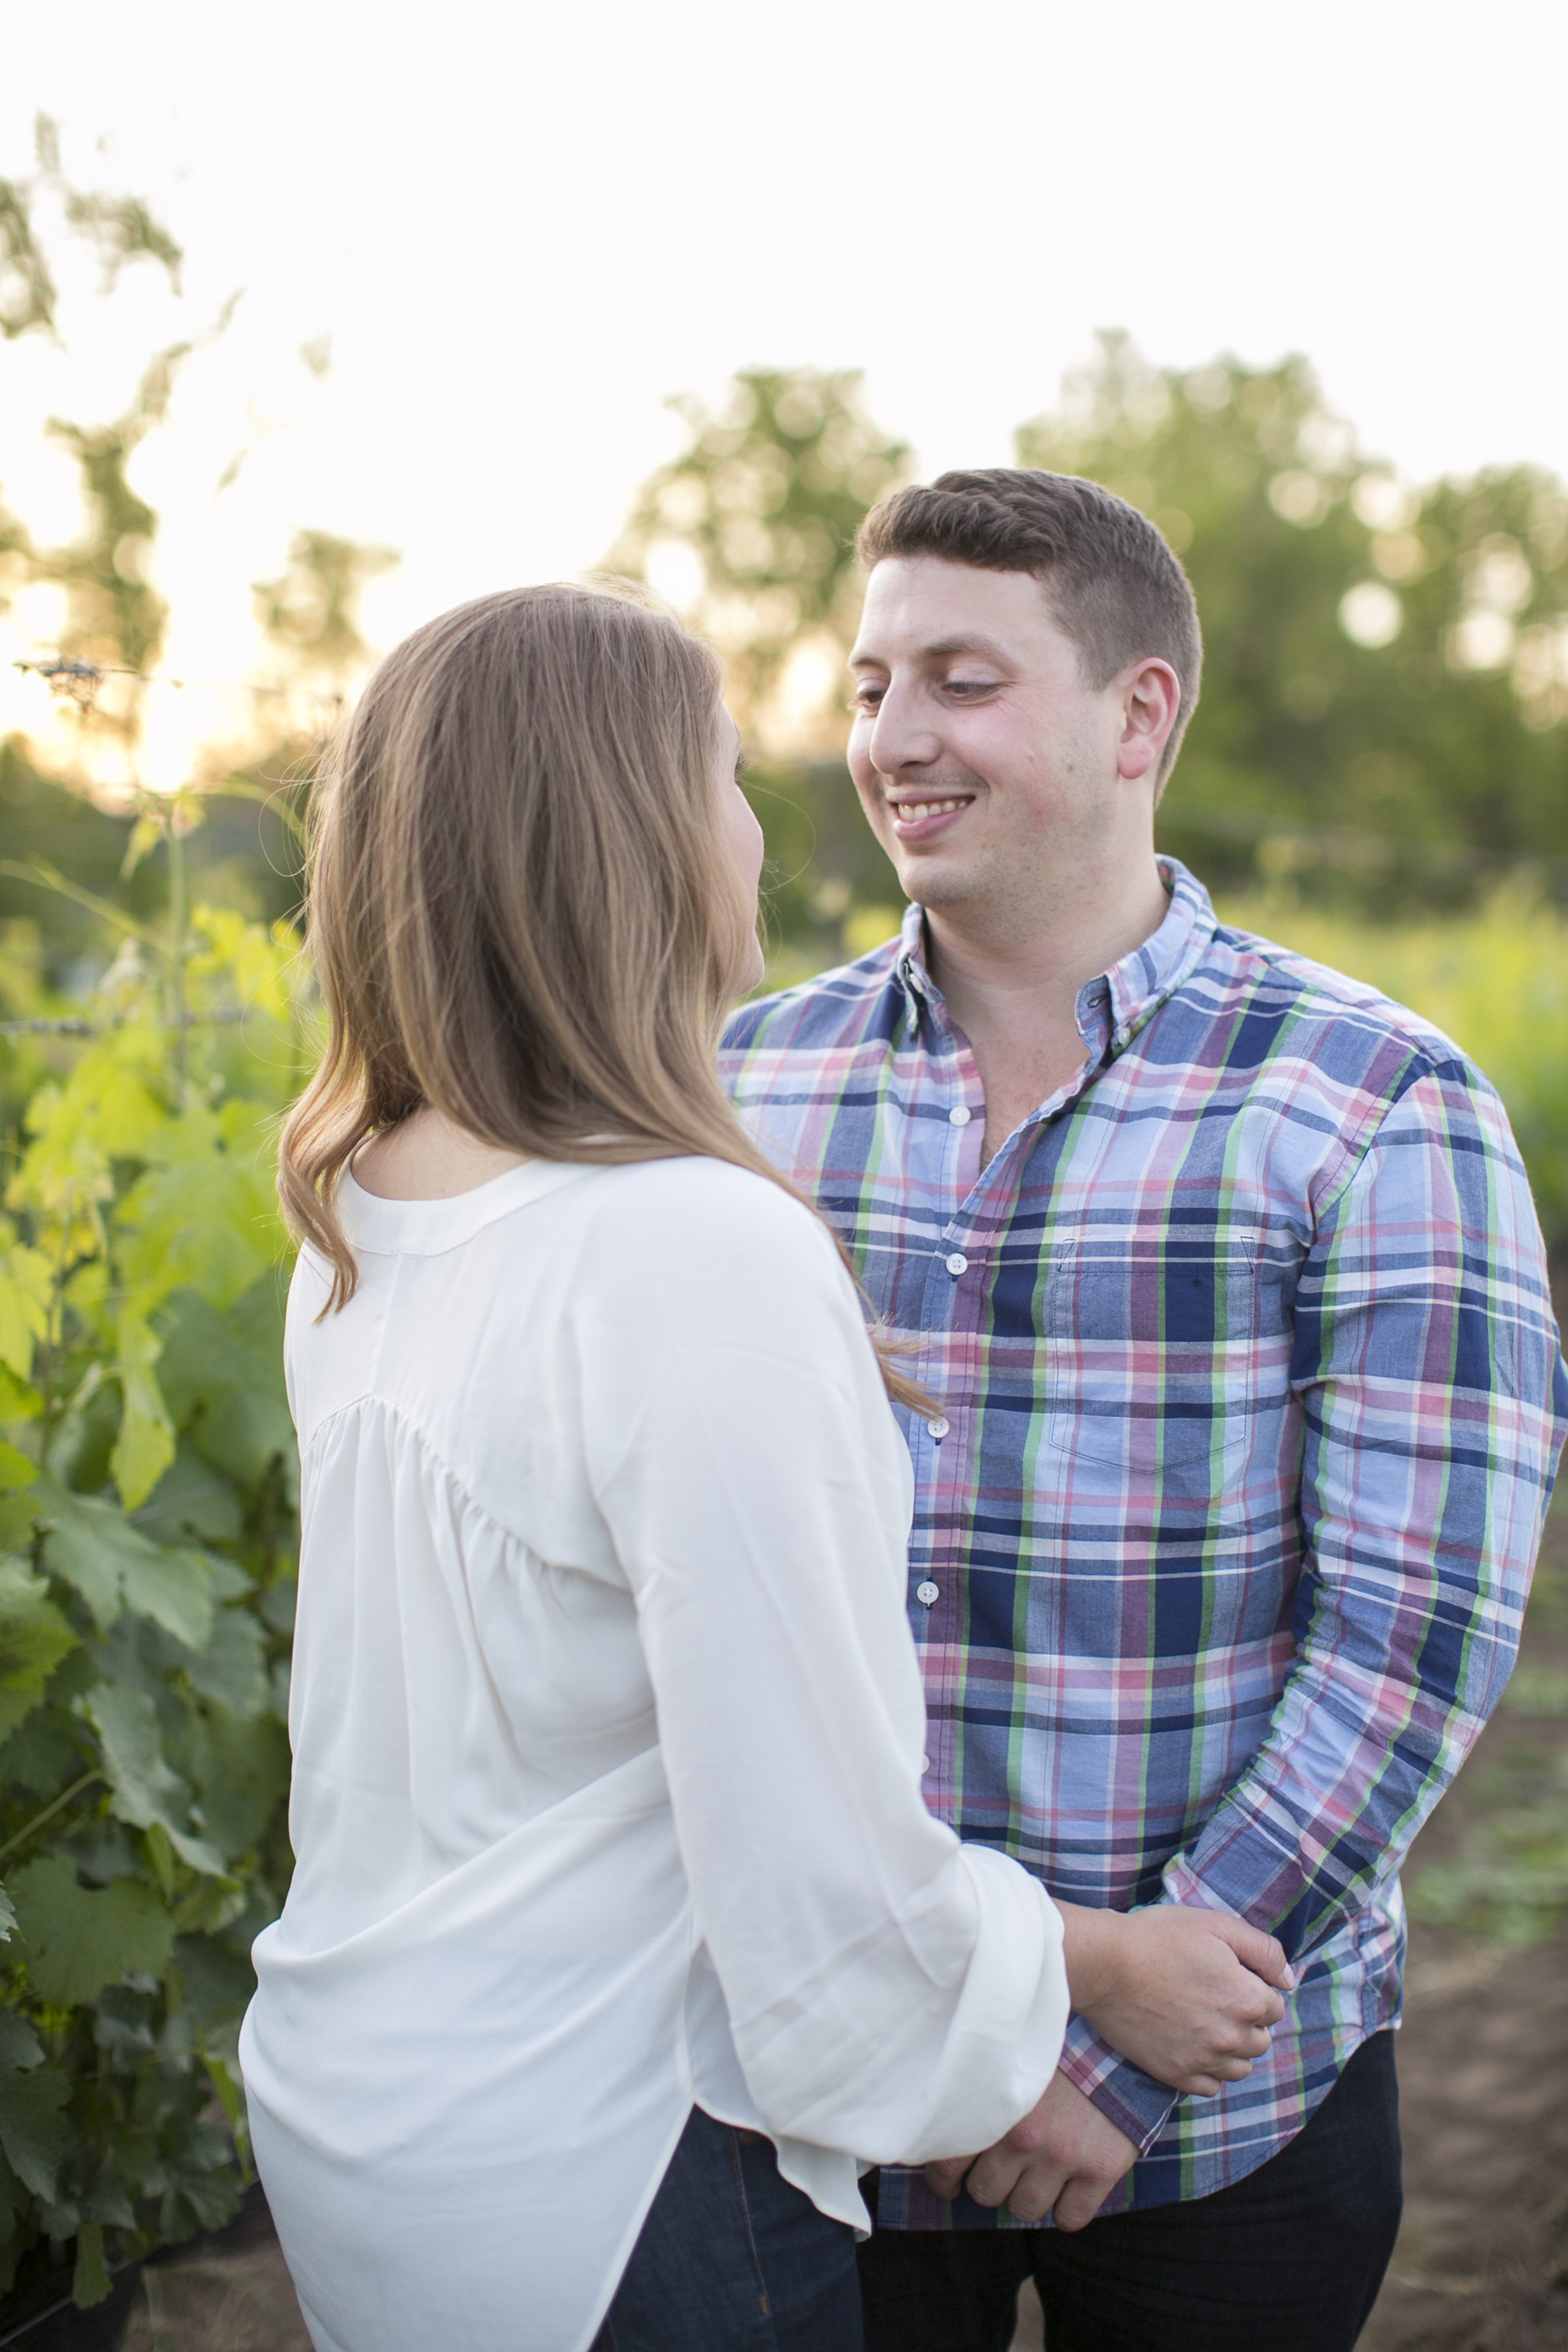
x: 957, y: 1264
x: 958, y: 1116
x: 925, y: 1763
x: 928, y: 1592
x: 939, y: 1426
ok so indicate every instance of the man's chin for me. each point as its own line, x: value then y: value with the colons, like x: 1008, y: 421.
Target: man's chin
x: 939, y: 882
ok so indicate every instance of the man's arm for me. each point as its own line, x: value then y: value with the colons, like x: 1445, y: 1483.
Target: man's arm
x: 1425, y: 1359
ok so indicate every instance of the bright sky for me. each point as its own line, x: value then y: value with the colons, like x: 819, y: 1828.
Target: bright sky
x: 523, y: 225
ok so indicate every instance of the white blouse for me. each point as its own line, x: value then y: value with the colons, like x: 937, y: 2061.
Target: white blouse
x: 607, y: 1731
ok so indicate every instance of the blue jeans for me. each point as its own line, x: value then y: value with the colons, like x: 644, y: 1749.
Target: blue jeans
x: 732, y: 2259
x: 1288, y: 2259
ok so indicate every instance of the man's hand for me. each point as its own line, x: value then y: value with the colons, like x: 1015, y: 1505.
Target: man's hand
x: 1187, y: 1995
x: 1063, y: 2159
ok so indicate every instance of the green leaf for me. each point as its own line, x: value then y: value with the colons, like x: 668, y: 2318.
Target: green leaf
x: 174, y: 1589
x: 27, y: 1287
x: 91, y: 2281
x: 222, y: 1376
x: 43, y: 1757
x: 19, y: 1400
x: 208, y: 1217
x: 33, y: 2125
x: 145, y: 1791
x: 32, y: 2128
x: 33, y: 1638
x: 240, y: 1767
x: 225, y: 2081
x: 86, y: 1547
x: 161, y: 1854
x: 16, y: 1470
x: 232, y: 1669
x: 18, y: 1515
x: 145, y: 1445
x: 112, y: 1564
x: 192, y: 1503
x: 19, y: 2045
x: 78, y: 1939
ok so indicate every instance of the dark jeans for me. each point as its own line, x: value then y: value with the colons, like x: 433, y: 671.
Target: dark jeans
x: 1288, y: 2260
x: 732, y: 2259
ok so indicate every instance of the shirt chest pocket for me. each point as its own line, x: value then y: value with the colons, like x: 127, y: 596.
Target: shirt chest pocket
x: 1151, y: 1359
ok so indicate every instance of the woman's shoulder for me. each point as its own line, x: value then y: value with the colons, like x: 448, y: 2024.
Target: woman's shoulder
x: 698, y: 1224
x: 713, y: 1201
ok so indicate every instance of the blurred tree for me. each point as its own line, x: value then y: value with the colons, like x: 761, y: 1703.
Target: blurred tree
x: 1385, y: 686
x: 115, y: 619
x: 311, y: 612
x: 751, y: 533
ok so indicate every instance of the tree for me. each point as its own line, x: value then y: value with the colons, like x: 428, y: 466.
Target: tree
x: 764, y: 505
x: 1385, y: 685
x: 239, y: 830
x: 751, y: 533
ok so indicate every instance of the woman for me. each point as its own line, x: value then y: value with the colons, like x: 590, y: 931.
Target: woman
x: 619, y: 1930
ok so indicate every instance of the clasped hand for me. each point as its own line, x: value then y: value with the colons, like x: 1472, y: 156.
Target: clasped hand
x: 1187, y: 1995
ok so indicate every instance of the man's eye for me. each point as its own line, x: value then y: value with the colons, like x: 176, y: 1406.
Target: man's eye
x: 867, y: 697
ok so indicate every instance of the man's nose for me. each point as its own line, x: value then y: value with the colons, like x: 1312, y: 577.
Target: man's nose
x: 901, y: 735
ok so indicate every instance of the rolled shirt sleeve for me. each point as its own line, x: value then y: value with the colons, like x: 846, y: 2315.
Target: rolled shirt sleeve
x: 1435, y: 1400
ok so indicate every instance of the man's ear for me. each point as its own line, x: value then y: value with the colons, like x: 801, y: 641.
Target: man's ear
x: 1151, y: 696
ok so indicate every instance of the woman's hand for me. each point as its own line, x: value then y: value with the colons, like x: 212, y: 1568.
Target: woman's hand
x: 1188, y: 1995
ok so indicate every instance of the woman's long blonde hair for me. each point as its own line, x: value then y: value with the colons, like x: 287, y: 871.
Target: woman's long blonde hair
x: 521, y: 909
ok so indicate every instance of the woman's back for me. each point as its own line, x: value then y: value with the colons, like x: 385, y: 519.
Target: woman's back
x: 607, y: 1732
x: 466, y: 1651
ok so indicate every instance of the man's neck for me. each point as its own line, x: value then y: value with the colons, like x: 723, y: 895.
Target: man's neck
x: 1013, y: 990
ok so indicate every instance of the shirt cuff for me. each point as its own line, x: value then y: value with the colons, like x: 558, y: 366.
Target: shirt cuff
x: 1138, y: 2106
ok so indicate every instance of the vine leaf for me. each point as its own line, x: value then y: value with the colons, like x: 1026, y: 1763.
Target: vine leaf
x: 146, y: 1791
x: 33, y: 1638
x: 145, y: 1445
x: 232, y: 1669
x: 32, y: 2103
x: 26, y: 1288
x: 114, y: 1568
x: 80, y: 1938
x: 16, y: 1470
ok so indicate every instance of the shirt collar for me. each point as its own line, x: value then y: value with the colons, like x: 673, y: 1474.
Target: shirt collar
x: 1130, y: 992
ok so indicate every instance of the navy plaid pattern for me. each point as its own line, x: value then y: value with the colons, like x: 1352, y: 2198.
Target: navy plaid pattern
x: 1250, y: 1405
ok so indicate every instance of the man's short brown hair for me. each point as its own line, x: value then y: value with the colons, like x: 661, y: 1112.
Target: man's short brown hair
x: 1114, y: 586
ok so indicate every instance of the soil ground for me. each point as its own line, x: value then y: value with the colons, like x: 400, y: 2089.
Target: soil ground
x: 1482, y: 2260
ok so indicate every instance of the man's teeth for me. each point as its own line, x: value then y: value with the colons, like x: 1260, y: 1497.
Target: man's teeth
x: 910, y: 811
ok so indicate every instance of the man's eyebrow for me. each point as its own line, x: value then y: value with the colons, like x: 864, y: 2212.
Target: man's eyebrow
x: 942, y: 650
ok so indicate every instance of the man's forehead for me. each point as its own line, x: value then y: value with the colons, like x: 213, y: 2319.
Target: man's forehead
x: 926, y: 608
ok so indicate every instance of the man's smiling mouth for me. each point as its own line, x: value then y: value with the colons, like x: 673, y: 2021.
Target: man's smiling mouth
x: 914, y: 816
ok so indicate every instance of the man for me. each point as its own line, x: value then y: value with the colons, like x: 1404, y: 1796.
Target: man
x: 1223, y: 1273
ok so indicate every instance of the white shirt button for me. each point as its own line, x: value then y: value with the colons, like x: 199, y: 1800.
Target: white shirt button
x: 928, y: 1592
x: 958, y: 1263
x: 958, y: 1116
x: 939, y: 1426
x: 925, y: 1763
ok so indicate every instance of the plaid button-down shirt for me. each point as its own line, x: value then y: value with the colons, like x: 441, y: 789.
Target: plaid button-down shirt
x: 1250, y: 1404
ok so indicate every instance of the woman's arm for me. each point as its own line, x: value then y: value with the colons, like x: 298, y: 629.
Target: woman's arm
x: 1187, y: 1995
x: 891, y: 1991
